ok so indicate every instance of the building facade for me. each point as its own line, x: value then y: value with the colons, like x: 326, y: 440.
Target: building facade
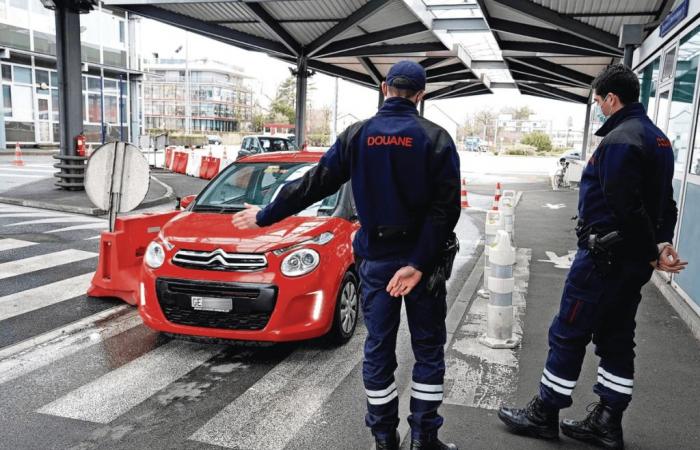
x: 29, y: 79
x: 220, y: 99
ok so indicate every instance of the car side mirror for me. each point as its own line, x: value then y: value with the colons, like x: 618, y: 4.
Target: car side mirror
x: 186, y: 201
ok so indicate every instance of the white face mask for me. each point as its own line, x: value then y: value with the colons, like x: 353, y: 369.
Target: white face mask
x: 602, y: 117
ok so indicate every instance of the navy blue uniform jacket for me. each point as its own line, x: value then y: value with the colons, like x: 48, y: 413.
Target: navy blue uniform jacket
x: 405, y: 175
x: 627, y: 184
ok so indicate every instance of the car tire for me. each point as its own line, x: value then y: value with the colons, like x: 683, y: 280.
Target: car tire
x: 347, y: 310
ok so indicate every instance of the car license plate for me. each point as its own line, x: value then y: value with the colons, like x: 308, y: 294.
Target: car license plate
x: 212, y: 304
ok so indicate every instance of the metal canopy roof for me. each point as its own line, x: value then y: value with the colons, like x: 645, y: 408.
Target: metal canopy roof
x: 554, y: 48
x: 357, y: 40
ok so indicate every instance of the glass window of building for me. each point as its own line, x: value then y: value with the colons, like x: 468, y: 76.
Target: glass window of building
x: 647, y: 81
x: 93, y: 108
x: 7, y: 100
x: 111, y: 109
x: 22, y: 75
x: 681, y: 115
x: 6, y: 72
x: 668, y: 64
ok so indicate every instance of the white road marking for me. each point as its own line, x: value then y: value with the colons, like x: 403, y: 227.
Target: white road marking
x: 32, y: 299
x: 287, y: 397
x: 66, y: 219
x: 560, y: 262
x: 14, y: 175
x: 116, y: 392
x: 478, y: 376
x: 19, y: 359
x: 26, y: 169
x: 11, y: 244
x: 18, y: 214
x: 88, y: 226
x: 551, y: 206
x: 34, y: 263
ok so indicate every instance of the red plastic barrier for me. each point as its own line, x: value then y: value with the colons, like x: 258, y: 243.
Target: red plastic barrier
x: 121, y: 254
x: 204, y: 167
x: 180, y: 162
x: 213, y: 167
x: 169, y: 157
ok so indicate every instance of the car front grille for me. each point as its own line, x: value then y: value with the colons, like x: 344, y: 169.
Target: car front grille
x: 219, y: 260
x: 253, y: 304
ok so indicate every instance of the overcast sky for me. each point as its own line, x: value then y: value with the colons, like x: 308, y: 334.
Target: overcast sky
x: 266, y: 73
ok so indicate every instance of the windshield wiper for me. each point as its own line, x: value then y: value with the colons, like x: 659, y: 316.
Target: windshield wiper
x: 218, y: 209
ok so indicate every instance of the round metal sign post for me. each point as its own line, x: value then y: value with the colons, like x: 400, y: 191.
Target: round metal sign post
x: 117, y: 178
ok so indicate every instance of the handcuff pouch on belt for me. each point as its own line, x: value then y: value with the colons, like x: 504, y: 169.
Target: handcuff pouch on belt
x: 443, y: 266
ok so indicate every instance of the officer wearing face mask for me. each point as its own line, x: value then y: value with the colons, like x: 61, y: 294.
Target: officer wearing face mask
x: 627, y: 217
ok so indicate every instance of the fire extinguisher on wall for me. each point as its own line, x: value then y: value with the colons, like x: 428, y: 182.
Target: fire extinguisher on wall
x: 80, y: 144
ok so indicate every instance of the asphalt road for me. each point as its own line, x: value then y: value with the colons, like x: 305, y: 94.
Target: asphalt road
x: 85, y: 373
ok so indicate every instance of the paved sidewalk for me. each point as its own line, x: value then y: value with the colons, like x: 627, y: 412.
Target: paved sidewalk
x: 664, y: 413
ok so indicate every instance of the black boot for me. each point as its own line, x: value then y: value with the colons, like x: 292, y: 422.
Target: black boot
x: 602, y: 426
x: 536, y: 419
x: 431, y: 444
x: 389, y: 443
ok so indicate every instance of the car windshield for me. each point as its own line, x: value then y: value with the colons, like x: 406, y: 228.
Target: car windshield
x: 276, y: 144
x: 257, y: 184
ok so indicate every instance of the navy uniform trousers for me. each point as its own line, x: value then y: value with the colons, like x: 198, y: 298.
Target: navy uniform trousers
x: 601, y: 308
x: 426, y: 322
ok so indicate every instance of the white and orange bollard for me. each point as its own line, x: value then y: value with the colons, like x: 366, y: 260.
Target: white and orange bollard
x: 496, y: 197
x: 464, y: 195
x: 18, y: 156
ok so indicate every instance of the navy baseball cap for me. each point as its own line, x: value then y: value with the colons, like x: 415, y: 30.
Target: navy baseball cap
x: 406, y: 75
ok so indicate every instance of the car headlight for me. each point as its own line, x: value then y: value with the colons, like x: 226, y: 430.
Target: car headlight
x: 300, y: 262
x: 155, y: 255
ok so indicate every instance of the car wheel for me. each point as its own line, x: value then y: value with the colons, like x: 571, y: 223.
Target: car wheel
x: 347, y: 308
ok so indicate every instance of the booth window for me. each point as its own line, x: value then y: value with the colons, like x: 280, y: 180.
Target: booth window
x: 647, y: 81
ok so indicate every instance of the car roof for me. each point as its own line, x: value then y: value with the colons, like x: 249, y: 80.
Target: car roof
x: 283, y: 157
x: 267, y: 136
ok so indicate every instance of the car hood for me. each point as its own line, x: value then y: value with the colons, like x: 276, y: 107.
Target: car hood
x: 209, y: 231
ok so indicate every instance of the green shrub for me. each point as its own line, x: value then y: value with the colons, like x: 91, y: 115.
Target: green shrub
x: 539, y: 140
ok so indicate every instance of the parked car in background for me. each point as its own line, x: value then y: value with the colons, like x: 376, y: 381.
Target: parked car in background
x: 571, y: 155
x: 474, y: 144
x: 257, y: 144
x: 213, y: 139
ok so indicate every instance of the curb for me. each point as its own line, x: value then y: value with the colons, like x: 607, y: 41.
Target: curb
x: 168, y: 197
x: 686, y: 312
x: 53, y: 207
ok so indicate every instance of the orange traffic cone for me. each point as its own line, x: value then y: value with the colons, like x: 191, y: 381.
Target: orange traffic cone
x: 498, y: 191
x: 18, y: 156
x: 465, y: 200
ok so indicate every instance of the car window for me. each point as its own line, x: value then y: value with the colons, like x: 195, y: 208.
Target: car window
x: 274, y: 144
x: 245, y: 144
x: 259, y: 184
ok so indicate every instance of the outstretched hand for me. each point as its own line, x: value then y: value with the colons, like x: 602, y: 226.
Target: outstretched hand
x: 246, y: 219
x: 403, y: 281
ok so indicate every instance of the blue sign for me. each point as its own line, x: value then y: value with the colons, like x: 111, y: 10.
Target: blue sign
x: 674, y: 18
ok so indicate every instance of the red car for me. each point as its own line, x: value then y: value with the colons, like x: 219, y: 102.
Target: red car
x: 192, y: 273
